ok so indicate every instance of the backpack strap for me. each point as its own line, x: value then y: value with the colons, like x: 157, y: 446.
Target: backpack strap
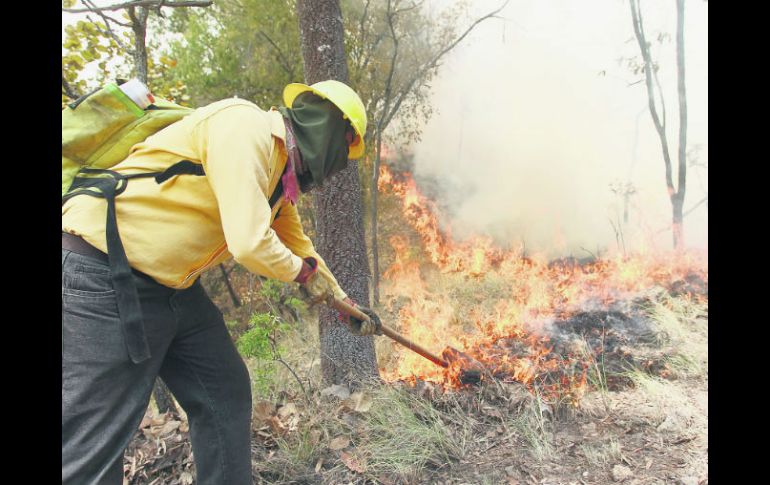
x: 108, y: 184
x: 276, y: 197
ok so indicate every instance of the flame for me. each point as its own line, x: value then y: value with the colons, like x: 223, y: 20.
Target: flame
x: 478, y: 297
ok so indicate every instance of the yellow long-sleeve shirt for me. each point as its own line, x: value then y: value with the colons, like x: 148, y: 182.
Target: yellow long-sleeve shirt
x: 176, y: 230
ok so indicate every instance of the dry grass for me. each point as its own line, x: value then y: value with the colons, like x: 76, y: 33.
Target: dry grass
x: 402, y: 433
x: 684, y: 321
x: 602, y: 454
x: 533, y: 424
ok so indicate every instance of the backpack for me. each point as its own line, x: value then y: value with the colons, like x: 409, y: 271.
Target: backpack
x: 98, y: 131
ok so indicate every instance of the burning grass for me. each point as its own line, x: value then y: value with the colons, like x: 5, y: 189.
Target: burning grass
x: 548, y: 324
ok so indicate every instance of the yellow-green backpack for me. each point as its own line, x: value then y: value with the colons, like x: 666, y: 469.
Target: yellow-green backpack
x: 98, y: 131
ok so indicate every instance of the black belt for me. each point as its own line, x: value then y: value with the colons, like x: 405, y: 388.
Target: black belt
x: 77, y: 244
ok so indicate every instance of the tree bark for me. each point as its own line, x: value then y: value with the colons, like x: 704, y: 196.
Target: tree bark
x: 345, y: 358
x: 682, y: 183
x: 138, y: 17
x: 375, y: 193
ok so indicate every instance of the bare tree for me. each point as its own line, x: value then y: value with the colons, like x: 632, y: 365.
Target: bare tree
x: 395, y: 94
x: 345, y: 358
x: 652, y: 83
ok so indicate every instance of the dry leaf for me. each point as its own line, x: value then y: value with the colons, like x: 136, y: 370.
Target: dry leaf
x: 158, y: 420
x: 339, y: 443
x: 263, y: 410
x: 276, y: 426
x: 287, y: 410
x: 319, y: 464
x: 169, y: 427
x: 186, y: 478
x: 352, y: 463
x: 146, y: 421
x: 184, y: 427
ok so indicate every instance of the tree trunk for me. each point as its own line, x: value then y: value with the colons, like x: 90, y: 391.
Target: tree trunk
x: 682, y: 185
x: 375, y: 193
x: 163, y: 398
x: 677, y: 222
x: 138, y: 17
x: 345, y: 358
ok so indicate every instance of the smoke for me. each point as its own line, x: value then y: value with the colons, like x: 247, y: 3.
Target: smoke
x: 538, y: 133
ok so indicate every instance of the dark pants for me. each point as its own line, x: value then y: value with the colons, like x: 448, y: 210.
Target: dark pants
x: 105, y: 395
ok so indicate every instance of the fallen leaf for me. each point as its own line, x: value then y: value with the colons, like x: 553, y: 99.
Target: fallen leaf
x: 186, y: 478
x: 287, y: 410
x: 263, y: 410
x: 276, y: 426
x: 169, y: 427
x: 339, y: 443
x: 319, y: 464
x: 352, y: 463
x: 146, y: 421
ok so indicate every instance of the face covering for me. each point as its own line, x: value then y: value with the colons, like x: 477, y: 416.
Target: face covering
x: 319, y: 133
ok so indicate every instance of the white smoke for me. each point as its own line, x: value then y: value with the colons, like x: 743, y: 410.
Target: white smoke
x: 536, y: 120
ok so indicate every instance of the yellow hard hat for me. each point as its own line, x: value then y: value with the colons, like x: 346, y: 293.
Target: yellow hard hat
x: 345, y: 99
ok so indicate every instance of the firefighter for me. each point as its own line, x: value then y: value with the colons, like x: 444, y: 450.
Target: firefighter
x: 253, y: 166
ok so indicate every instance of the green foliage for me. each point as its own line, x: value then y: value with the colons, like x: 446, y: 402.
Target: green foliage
x: 276, y: 293
x: 259, y: 343
x: 90, y: 58
x: 248, y: 49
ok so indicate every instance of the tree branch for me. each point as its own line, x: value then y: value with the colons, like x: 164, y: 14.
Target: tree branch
x: 110, y: 34
x: 90, y: 4
x: 279, y: 56
x: 636, y: 16
x: 705, y: 199
x: 434, y: 61
x: 142, y: 3
x: 67, y: 89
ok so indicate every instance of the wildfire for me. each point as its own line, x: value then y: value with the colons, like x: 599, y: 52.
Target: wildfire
x: 505, y: 298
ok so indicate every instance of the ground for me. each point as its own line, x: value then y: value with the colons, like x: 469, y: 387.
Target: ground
x: 642, y: 423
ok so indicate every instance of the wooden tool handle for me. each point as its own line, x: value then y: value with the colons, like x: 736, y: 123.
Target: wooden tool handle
x: 343, y: 307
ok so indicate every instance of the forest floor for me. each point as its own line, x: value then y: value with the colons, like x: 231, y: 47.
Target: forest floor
x: 644, y: 422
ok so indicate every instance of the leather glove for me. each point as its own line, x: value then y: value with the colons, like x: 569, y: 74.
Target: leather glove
x: 359, y: 327
x: 317, y: 288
